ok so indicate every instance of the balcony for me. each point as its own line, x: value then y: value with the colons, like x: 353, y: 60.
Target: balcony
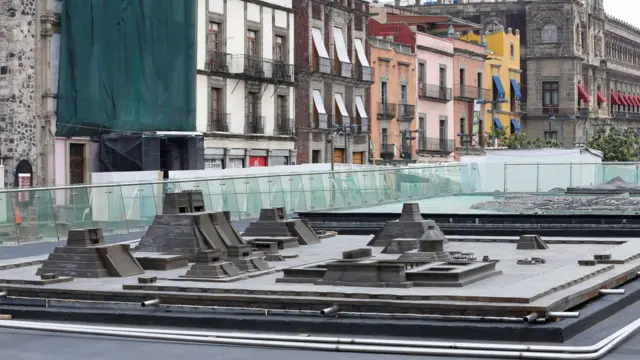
x: 254, y: 125
x: 363, y: 73
x: 255, y: 68
x: 406, y: 112
x: 342, y: 70
x: 386, y: 111
x: 362, y: 126
x: 558, y: 112
x: 218, y: 122
x: 387, y: 151
x: 436, y: 144
x: 434, y: 92
x: 470, y: 93
x: 218, y: 61
x: 320, y: 121
x: 284, y: 126
x: 625, y: 115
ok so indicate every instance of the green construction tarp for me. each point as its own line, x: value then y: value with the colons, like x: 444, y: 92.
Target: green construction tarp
x: 127, y: 66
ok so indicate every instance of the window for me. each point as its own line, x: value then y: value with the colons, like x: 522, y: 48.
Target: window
x: 551, y: 134
x: 358, y: 23
x: 403, y: 94
x: 550, y: 94
x: 316, y: 11
x: 215, y: 101
x: 214, y: 37
x: 279, y: 50
x: 383, y: 92
x: 421, y: 74
x: 385, y: 137
x: 422, y: 123
x: 282, y: 121
x: 443, y: 76
x: 463, y: 125
x: 251, y: 43
x: 77, y: 164
x: 549, y: 33
x: 443, y: 132
x: 513, y: 51
x: 461, y: 78
x: 479, y: 84
x: 315, y: 156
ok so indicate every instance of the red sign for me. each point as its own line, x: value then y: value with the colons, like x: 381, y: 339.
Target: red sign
x: 257, y: 161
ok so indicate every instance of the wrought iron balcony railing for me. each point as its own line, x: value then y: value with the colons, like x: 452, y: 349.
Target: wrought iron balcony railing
x: 386, y: 111
x: 254, y: 124
x: 406, y: 112
x: 320, y: 121
x: 434, y: 92
x: 218, y: 122
x: 436, y: 144
x: 334, y: 67
x: 284, y: 126
x: 218, y: 61
x: 466, y: 92
x: 259, y: 69
x: 558, y: 112
x: 625, y: 115
x: 387, y: 151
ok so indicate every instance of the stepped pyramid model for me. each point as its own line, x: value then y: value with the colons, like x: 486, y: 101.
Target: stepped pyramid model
x: 189, y: 233
x: 531, y: 242
x: 212, y: 264
x: 272, y: 224
x: 86, y: 256
x: 430, y: 248
x: 410, y: 225
x: 189, y: 201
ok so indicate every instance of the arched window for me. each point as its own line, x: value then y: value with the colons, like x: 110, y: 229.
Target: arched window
x: 549, y: 33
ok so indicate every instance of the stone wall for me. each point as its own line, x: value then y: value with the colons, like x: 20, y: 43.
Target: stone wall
x: 18, y: 100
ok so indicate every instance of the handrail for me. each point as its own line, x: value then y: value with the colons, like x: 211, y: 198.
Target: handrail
x: 226, y: 177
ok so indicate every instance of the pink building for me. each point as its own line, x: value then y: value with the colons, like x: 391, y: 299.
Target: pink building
x: 435, y: 106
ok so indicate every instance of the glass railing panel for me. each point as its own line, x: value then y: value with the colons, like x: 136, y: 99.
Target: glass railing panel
x: 318, y: 183
x: 8, y: 223
x: 335, y: 196
x: 107, y: 209
x: 33, y: 218
x: 74, y: 211
x: 295, y: 198
x: 249, y: 196
x: 272, y: 191
x: 224, y: 198
x: 141, y: 203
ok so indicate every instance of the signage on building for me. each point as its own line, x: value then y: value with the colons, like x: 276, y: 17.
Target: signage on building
x: 236, y: 164
x: 257, y: 161
x: 24, y: 182
x: 215, y: 164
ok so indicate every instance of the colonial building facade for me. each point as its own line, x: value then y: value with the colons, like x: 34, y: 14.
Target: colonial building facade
x: 333, y: 77
x: 580, y: 67
x: 245, y: 95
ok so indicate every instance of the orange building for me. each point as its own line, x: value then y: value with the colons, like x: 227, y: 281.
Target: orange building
x: 393, y: 100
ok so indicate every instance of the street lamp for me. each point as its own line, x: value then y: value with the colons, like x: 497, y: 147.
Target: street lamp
x: 493, y: 103
x: 344, y: 130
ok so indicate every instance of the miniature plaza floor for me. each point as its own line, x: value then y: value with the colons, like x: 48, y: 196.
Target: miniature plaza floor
x: 543, y: 285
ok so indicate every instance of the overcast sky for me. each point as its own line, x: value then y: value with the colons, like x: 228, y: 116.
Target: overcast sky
x: 626, y: 10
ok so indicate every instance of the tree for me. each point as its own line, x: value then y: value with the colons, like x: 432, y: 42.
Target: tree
x: 616, y: 144
x: 522, y: 141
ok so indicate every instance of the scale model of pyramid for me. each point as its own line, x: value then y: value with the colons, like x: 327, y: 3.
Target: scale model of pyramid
x: 410, y: 225
x: 430, y: 248
x: 85, y: 255
x: 531, y: 242
x: 187, y: 234
x: 272, y: 224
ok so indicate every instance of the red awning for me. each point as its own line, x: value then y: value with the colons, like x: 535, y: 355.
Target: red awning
x: 631, y: 100
x: 582, y: 93
x: 601, y: 98
x: 614, y: 99
x: 623, y: 99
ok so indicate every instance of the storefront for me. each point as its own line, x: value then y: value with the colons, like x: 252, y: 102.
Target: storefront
x: 257, y: 161
x: 358, y: 158
x: 214, y: 159
x: 338, y: 156
x: 236, y: 158
x: 279, y: 157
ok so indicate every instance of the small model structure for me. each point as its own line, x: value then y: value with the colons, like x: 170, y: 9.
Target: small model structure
x: 212, y: 264
x: 188, y: 201
x: 410, y: 225
x: 272, y: 227
x: 85, y: 255
x: 430, y: 248
x: 531, y: 242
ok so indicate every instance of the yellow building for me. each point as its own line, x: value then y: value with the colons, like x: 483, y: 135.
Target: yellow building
x: 503, y: 65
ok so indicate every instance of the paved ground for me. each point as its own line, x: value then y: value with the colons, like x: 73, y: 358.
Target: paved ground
x: 517, y: 281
